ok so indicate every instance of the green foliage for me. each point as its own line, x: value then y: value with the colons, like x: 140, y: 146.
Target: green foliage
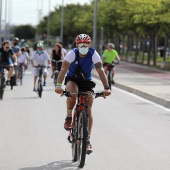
x: 25, y: 31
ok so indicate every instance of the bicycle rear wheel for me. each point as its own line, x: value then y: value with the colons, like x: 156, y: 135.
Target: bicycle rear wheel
x: 82, y: 138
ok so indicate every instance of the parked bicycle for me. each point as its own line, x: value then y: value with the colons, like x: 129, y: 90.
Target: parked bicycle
x: 56, y: 72
x: 78, y: 135
x: 39, y: 83
x: 110, y: 67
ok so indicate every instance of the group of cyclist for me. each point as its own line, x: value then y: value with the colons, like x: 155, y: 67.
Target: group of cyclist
x: 75, y: 70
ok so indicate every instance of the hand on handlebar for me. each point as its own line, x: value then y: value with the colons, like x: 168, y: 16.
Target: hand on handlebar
x: 59, y: 90
x: 106, y: 92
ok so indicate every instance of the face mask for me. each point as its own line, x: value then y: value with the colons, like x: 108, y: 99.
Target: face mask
x: 15, y: 43
x: 39, y: 52
x: 83, y: 50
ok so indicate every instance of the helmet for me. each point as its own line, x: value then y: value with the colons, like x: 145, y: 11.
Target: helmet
x: 83, y: 38
x: 40, y: 45
x: 110, y: 45
x: 15, y: 39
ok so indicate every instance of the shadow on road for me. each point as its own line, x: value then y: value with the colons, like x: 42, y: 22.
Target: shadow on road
x: 58, y: 165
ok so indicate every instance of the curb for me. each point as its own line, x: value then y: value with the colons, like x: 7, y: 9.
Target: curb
x: 155, y: 99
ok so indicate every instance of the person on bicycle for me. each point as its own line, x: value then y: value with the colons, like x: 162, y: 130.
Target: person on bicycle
x: 77, y: 65
x: 56, y: 55
x: 40, y: 57
x: 109, y: 56
x: 17, y: 52
x: 5, y: 57
x: 23, y: 58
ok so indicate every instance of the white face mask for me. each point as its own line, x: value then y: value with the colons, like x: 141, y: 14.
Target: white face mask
x: 83, y: 50
x: 39, y: 52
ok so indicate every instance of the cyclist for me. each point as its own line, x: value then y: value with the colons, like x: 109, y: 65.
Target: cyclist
x: 23, y: 58
x: 56, y: 55
x: 17, y: 52
x: 78, y: 64
x: 109, y: 57
x: 40, y: 57
x: 64, y: 51
x: 5, y: 57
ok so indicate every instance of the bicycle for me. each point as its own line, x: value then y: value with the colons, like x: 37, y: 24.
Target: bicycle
x: 21, y: 71
x: 56, y: 72
x: 109, y: 73
x: 78, y: 135
x: 39, y: 83
x: 2, y: 80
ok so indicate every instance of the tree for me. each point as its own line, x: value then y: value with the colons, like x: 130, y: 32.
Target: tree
x: 25, y: 31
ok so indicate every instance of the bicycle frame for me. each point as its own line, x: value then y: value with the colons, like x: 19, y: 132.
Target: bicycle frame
x: 79, y: 133
x: 39, y: 83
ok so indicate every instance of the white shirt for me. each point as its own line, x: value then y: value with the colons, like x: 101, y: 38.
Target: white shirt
x: 70, y: 57
x: 40, y: 59
x: 22, y: 57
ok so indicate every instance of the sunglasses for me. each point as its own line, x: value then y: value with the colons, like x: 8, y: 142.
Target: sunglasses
x: 83, y: 45
x: 6, y: 47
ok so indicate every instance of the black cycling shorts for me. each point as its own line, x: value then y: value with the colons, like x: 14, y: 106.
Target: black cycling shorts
x: 82, y: 85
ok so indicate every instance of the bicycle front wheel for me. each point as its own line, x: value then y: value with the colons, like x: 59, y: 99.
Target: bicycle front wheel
x: 39, y: 89
x: 109, y: 77
x: 82, y: 138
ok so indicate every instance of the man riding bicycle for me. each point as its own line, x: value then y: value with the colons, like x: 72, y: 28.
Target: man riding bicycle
x: 78, y: 64
x: 109, y: 57
x: 40, y: 57
x: 5, y: 57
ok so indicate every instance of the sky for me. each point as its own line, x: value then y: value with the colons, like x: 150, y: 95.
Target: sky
x: 20, y: 12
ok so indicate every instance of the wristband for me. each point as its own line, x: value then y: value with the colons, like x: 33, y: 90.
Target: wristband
x: 58, y: 84
x: 106, y: 87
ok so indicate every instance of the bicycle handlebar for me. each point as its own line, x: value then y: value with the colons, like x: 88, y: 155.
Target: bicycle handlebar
x: 80, y: 93
x: 59, y: 61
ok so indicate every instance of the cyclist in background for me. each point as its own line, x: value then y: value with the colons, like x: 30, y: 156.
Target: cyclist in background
x: 109, y: 57
x: 17, y: 52
x: 56, y: 55
x: 40, y: 57
x: 5, y: 57
x: 78, y: 64
x: 64, y: 51
x: 23, y: 58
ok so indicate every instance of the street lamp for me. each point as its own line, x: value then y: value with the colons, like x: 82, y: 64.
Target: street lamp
x: 95, y: 24
x: 48, y: 25
x: 62, y: 20
x: 0, y: 21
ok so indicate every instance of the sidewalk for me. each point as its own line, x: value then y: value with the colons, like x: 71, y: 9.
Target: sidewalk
x: 143, y: 81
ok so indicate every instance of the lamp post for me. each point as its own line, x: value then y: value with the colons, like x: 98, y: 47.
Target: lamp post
x: 0, y: 21
x: 95, y: 24
x: 62, y: 20
x: 48, y: 25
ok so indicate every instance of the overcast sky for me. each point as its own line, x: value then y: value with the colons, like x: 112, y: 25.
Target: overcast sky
x: 26, y: 11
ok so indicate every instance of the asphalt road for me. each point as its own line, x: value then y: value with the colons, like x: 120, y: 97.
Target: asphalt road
x: 129, y: 133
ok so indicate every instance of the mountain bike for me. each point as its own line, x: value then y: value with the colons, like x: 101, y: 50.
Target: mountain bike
x: 2, y: 80
x: 56, y: 72
x: 110, y: 67
x: 21, y: 71
x: 78, y: 135
x: 39, y: 83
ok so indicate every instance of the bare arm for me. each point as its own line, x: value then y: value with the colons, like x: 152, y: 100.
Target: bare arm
x: 101, y: 73
x: 64, y: 69
x: 14, y: 57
